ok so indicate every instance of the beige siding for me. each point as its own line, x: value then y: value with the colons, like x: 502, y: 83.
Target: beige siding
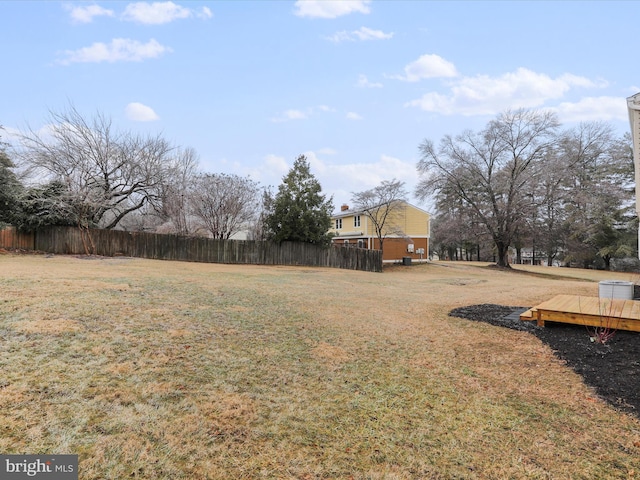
x: 410, y: 221
x: 348, y: 225
x: 409, y: 225
x: 416, y: 222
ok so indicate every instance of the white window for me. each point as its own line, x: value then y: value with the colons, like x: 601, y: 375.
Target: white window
x: 356, y: 221
x: 338, y: 223
x: 360, y: 243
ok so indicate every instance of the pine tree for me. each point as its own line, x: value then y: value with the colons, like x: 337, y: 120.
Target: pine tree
x: 300, y: 212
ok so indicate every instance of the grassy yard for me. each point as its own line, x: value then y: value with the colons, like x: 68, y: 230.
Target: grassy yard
x: 168, y: 370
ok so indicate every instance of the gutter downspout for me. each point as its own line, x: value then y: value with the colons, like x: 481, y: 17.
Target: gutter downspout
x: 366, y: 232
x: 633, y: 104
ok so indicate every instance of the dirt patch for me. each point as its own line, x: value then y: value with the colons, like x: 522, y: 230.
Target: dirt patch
x: 612, y: 369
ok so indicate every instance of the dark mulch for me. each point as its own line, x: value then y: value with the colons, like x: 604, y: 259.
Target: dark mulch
x: 612, y: 369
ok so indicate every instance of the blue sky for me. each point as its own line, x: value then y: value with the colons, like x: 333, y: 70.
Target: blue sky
x: 354, y: 85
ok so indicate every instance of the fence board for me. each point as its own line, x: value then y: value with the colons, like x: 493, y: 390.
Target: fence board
x: 10, y: 237
x: 73, y: 240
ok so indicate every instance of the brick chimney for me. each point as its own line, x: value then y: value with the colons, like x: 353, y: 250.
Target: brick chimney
x: 344, y: 207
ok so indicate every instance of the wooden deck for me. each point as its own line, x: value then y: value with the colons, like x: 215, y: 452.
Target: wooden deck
x: 591, y: 311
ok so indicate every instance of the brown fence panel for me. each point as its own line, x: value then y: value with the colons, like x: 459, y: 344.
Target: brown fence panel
x: 11, y: 237
x: 73, y: 240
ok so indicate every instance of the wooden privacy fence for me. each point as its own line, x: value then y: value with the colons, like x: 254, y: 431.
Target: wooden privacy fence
x: 73, y: 240
x: 11, y: 238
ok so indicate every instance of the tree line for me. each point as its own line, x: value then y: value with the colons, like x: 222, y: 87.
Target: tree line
x: 523, y: 181
x: 85, y: 172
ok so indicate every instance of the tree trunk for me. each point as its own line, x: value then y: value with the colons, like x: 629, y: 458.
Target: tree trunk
x: 503, y: 254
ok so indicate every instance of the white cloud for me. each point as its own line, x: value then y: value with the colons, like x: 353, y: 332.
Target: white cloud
x: 353, y: 116
x: 205, y: 13
x: 289, y: 115
x: 485, y: 95
x: 9, y: 134
x: 86, y: 14
x: 277, y: 162
x: 363, y: 82
x: 342, y: 179
x: 140, y: 113
x: 365, y: 175
x: 593, y: 109
x: 327, y: 151
x: 365, y: 33
x: 119, y: 50
x: 428, y: 66
x: 339, y: 37
x: 269, y: 172
x: 362, y: 34
x: 318, y: 166
x: 156, y: 13
x: 295, y: 115
x: 330, y: 8
x: 337, y: 179
x: 300, y: 114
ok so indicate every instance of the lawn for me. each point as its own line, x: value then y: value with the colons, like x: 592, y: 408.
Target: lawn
x: 170, y: 370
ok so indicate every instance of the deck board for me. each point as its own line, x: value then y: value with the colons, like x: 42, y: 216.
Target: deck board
x: 618, y: 314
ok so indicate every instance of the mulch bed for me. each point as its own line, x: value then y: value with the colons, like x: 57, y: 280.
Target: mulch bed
x: 612, y: 369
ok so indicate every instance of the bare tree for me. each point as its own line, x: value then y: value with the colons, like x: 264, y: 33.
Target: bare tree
x: 259, y: 229
x: 455, y: 231
x: 109, y: 173
x: 489, y: 171
x: 383, y: 206
x: 599, y: 182
x: 176, y: 190
x: 224, y: 204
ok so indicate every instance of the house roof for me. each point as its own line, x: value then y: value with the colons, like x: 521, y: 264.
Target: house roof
x: 352, y: 211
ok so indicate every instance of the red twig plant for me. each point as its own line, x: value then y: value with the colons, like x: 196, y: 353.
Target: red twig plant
x: 609, y: 320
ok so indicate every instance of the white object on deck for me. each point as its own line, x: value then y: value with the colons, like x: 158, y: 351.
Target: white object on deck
x: 615, y: 289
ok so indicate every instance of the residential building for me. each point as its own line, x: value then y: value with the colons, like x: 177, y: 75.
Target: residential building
x: 405, y: 234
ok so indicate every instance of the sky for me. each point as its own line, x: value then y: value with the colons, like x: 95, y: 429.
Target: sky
x: 356, y: 86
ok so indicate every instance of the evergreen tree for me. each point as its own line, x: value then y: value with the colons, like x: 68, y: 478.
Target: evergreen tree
x: 47, y: 205
x: 10, y: 189
x: 300, y: 212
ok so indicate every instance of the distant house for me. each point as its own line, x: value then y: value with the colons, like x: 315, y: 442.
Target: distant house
x: 406, y: 232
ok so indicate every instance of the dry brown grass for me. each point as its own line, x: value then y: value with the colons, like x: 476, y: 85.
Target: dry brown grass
x: 151, y: 369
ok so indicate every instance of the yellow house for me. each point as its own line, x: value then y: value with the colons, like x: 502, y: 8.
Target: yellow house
x: 405, y: 232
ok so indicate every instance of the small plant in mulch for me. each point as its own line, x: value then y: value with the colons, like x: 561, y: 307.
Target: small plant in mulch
x: 601, y: 334
x: 609, y: 321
